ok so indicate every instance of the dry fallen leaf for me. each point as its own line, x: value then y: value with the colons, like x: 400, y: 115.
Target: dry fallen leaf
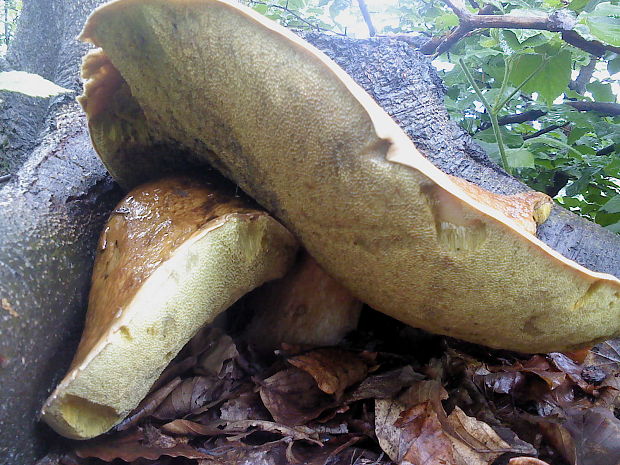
x: 217, y: 428
x: 333, y: 369
x: 585, y: 437
x: 221, y: 348
x: 133, y: 445
x: 412, y: 435
x: 489, y: 447
x: 384, y: 385
x: 148, y: 405
x: 293, y: 398
x: 190, y: 394
x: 605, y: 355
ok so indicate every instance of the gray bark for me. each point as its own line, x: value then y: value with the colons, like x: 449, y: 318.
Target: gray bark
x: 53, y: 208
x: 45, y: 44
x: 50, y: 216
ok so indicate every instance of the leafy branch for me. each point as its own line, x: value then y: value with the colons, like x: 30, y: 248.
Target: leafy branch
x: 560, y: 21
x: 500, y: 103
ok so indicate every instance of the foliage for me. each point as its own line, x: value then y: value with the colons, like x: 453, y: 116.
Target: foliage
x: 9, y: 11
x: 572, y: 155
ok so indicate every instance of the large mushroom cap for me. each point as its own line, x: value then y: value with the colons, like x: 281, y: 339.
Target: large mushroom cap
x: 228, y: 87
x: 173, y: 255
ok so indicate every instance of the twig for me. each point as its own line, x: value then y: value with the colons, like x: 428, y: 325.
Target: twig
x: 492, y: 115
x: 5, y: 178
x: 364, y: 9
x: 553, y: 127
x: 584, y: 76
x: 296, y: 16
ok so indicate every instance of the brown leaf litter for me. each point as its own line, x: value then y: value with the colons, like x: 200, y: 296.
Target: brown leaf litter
x: 386, y: 395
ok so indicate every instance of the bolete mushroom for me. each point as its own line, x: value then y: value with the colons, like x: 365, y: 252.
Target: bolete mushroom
x: 232, y: 89
x: 173, y: 255
x: 299, y: 136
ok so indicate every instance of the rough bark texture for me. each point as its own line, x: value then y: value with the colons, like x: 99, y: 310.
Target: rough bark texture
x: 50, y: 216
x: 54, y: 207
x: 44, y: 44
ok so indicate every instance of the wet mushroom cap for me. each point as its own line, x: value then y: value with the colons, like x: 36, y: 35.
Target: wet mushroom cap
x: 227, y: 87
x: 174, y: 254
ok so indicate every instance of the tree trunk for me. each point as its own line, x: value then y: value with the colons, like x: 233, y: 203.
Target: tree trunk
x: 53, y: 208
x: 52, y: 211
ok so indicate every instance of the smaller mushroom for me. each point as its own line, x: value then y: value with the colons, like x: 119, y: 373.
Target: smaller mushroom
x: 173, y: 255
x: 307, y: 307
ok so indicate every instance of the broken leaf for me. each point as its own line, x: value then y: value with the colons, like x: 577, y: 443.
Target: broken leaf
x: 333, y: 369
x: 189, y: 395
x: 293, y: 398
x: 131, y: 446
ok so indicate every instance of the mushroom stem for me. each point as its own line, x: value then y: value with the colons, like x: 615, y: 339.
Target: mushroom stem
x: 306, y: 307
x: 174, y: 254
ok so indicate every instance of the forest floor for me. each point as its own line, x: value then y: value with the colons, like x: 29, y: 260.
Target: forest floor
x: 387, y: 394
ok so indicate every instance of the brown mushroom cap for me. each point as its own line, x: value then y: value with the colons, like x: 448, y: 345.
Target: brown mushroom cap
x: 173, y: 255
x: 231, y: 88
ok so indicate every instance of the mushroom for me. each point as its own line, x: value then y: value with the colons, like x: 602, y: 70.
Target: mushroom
x: 306, y: 307
x: 173, y: 255
x: 229, y: 88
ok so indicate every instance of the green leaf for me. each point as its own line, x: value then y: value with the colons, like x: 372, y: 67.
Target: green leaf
x: 614, y: 227
x: 295, y: 4
x: 550, y: 81
x: 613, y: 66
x: 575, y: 135
x: 29, y: 84
x: 510, y: 138
x: 604, y: 22
x: 601, y: 91
x: 337, y: 7
x: 511, y: 40
x: 612, y: 205
x: 520, y: 158
x: 262, y: 9
x: 489, y: 42
x: 578, y: 5
x: 447, y: 20
x: 534, y: 41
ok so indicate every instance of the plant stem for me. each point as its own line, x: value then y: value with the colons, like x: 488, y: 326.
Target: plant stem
x: 520, y: 86
x: 492, y: 116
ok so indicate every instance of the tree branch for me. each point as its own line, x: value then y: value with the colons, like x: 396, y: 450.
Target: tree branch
x: 530, y: 115
x: 606, y: 150
x: 559, y: 21
x: 585, y: 74
x: 364, y: 9
x: 553, y: 127
x: 594, y: 47
x: 604, y: 108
